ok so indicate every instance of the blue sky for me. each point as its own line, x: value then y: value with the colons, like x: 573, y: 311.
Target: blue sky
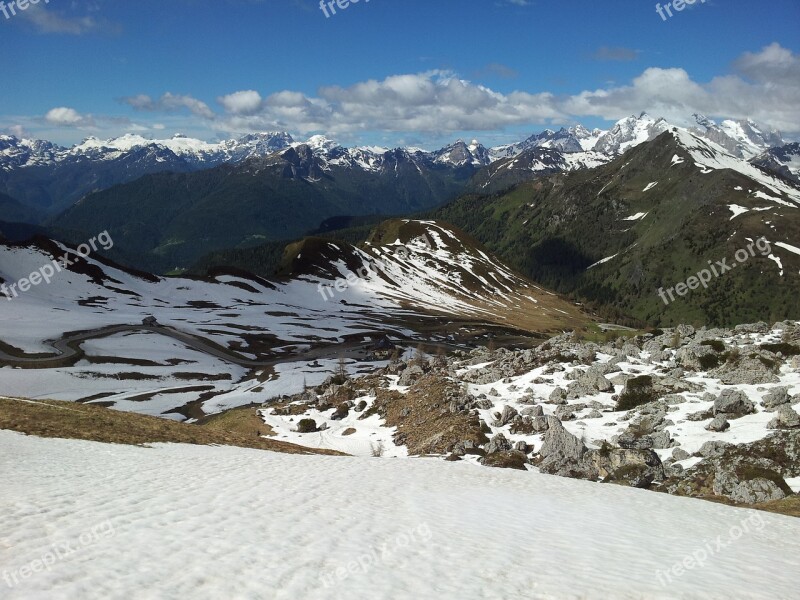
x: 390, y: 72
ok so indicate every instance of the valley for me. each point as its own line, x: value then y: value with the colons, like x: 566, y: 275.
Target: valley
x: 453, y: 300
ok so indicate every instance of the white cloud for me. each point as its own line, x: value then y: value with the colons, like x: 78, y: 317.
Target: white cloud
x: 49, y: 20
x: 763, y: 86
x: 241, y: 103
x: 170, y: 102
x: 63, y: 116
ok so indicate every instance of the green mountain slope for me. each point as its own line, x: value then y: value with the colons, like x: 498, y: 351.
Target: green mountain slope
x: 168, y: 221
x: 557, y: 228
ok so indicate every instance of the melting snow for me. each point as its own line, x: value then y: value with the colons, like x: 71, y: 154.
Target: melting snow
x: 202, y: 522
x: 636, y: 217
x: 737, y: 210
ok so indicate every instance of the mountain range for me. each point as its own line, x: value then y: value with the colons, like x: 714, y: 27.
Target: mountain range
x: 48, y: 178
x: 667, y: 209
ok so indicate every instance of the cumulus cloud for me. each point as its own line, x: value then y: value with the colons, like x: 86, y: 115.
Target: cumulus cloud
x: 241, y: 103
x: 763, y: 86
x: 63, y: 116
x: 434, y: 101
x: 169, y: 102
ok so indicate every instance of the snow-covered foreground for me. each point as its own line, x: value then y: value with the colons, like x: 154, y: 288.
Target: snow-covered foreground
x: 196, y: 522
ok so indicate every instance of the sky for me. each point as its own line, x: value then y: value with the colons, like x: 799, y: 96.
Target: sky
x: 390, y: 72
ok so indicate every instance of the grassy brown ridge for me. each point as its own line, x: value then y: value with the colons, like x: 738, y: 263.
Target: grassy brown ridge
x: 68, y: 420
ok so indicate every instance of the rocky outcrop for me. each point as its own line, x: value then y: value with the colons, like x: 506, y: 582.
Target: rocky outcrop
x: 786, y: 418
x: 733, y: 404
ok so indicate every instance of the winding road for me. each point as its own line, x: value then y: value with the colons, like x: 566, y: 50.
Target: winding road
x: 67, y: 350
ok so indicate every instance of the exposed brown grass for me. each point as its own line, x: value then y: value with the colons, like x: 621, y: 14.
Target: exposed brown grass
x: 789, y: 506
x: 67, y: 420
x: 430, y: 428
x: 243, y: 420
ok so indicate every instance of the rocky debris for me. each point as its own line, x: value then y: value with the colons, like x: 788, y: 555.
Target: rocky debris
x: 588, y: 383
x: 696, y: 357
x: 637, y: 468
x: 341, y: 412
x: 498, y: 443
x: 759, y: 328
x: 306, y: 426
x: 561, y: 452
x: 410, y: 375
x: 739, y: 472
x: 786, y: 418
x: 775, y: 398
x: 713, y: 448
x: 594, y: 414
x: 507, y: 459
x: 702, y: 415
x: 566, y: 413
x: 661, y: 440
x: 558, y: 396
x: 748, y: 370
x: 533, y: 411
x: 733, y: 404
x: 756, y: 491
x: 718, y: 424
x: 506, y: 417
x: 680, y: 454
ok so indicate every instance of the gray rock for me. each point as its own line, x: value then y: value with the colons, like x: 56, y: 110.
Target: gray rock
x: 747, y: 370
x: 637, y: 468
x: 661, y: 439
x: 631, y: 441
x: 558, y: 396
x: 589, y: 383
x: 775, y: 398
x: 724, y: 482
x: 734, y: 404
x: 498, y: 443
x: 786, y: 418
x: 533, y: 411
x: 540, y: 424
x: 759, y: 327
x: 410, y: 375
x: 713, y: 449
x: 565, y: 413
x: 689, y: 356
x: 560, y: 443
x: 594, y: 414
x: 680, y: 454
x: 506, y: 417
x: 483, y: 404
x: 718, y: 423
x: 755, y: 491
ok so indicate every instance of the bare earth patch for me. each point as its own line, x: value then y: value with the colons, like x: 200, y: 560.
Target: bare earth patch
x: 56, y: 419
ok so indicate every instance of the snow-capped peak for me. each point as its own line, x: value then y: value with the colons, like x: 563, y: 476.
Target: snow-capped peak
x: 630, y: 132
